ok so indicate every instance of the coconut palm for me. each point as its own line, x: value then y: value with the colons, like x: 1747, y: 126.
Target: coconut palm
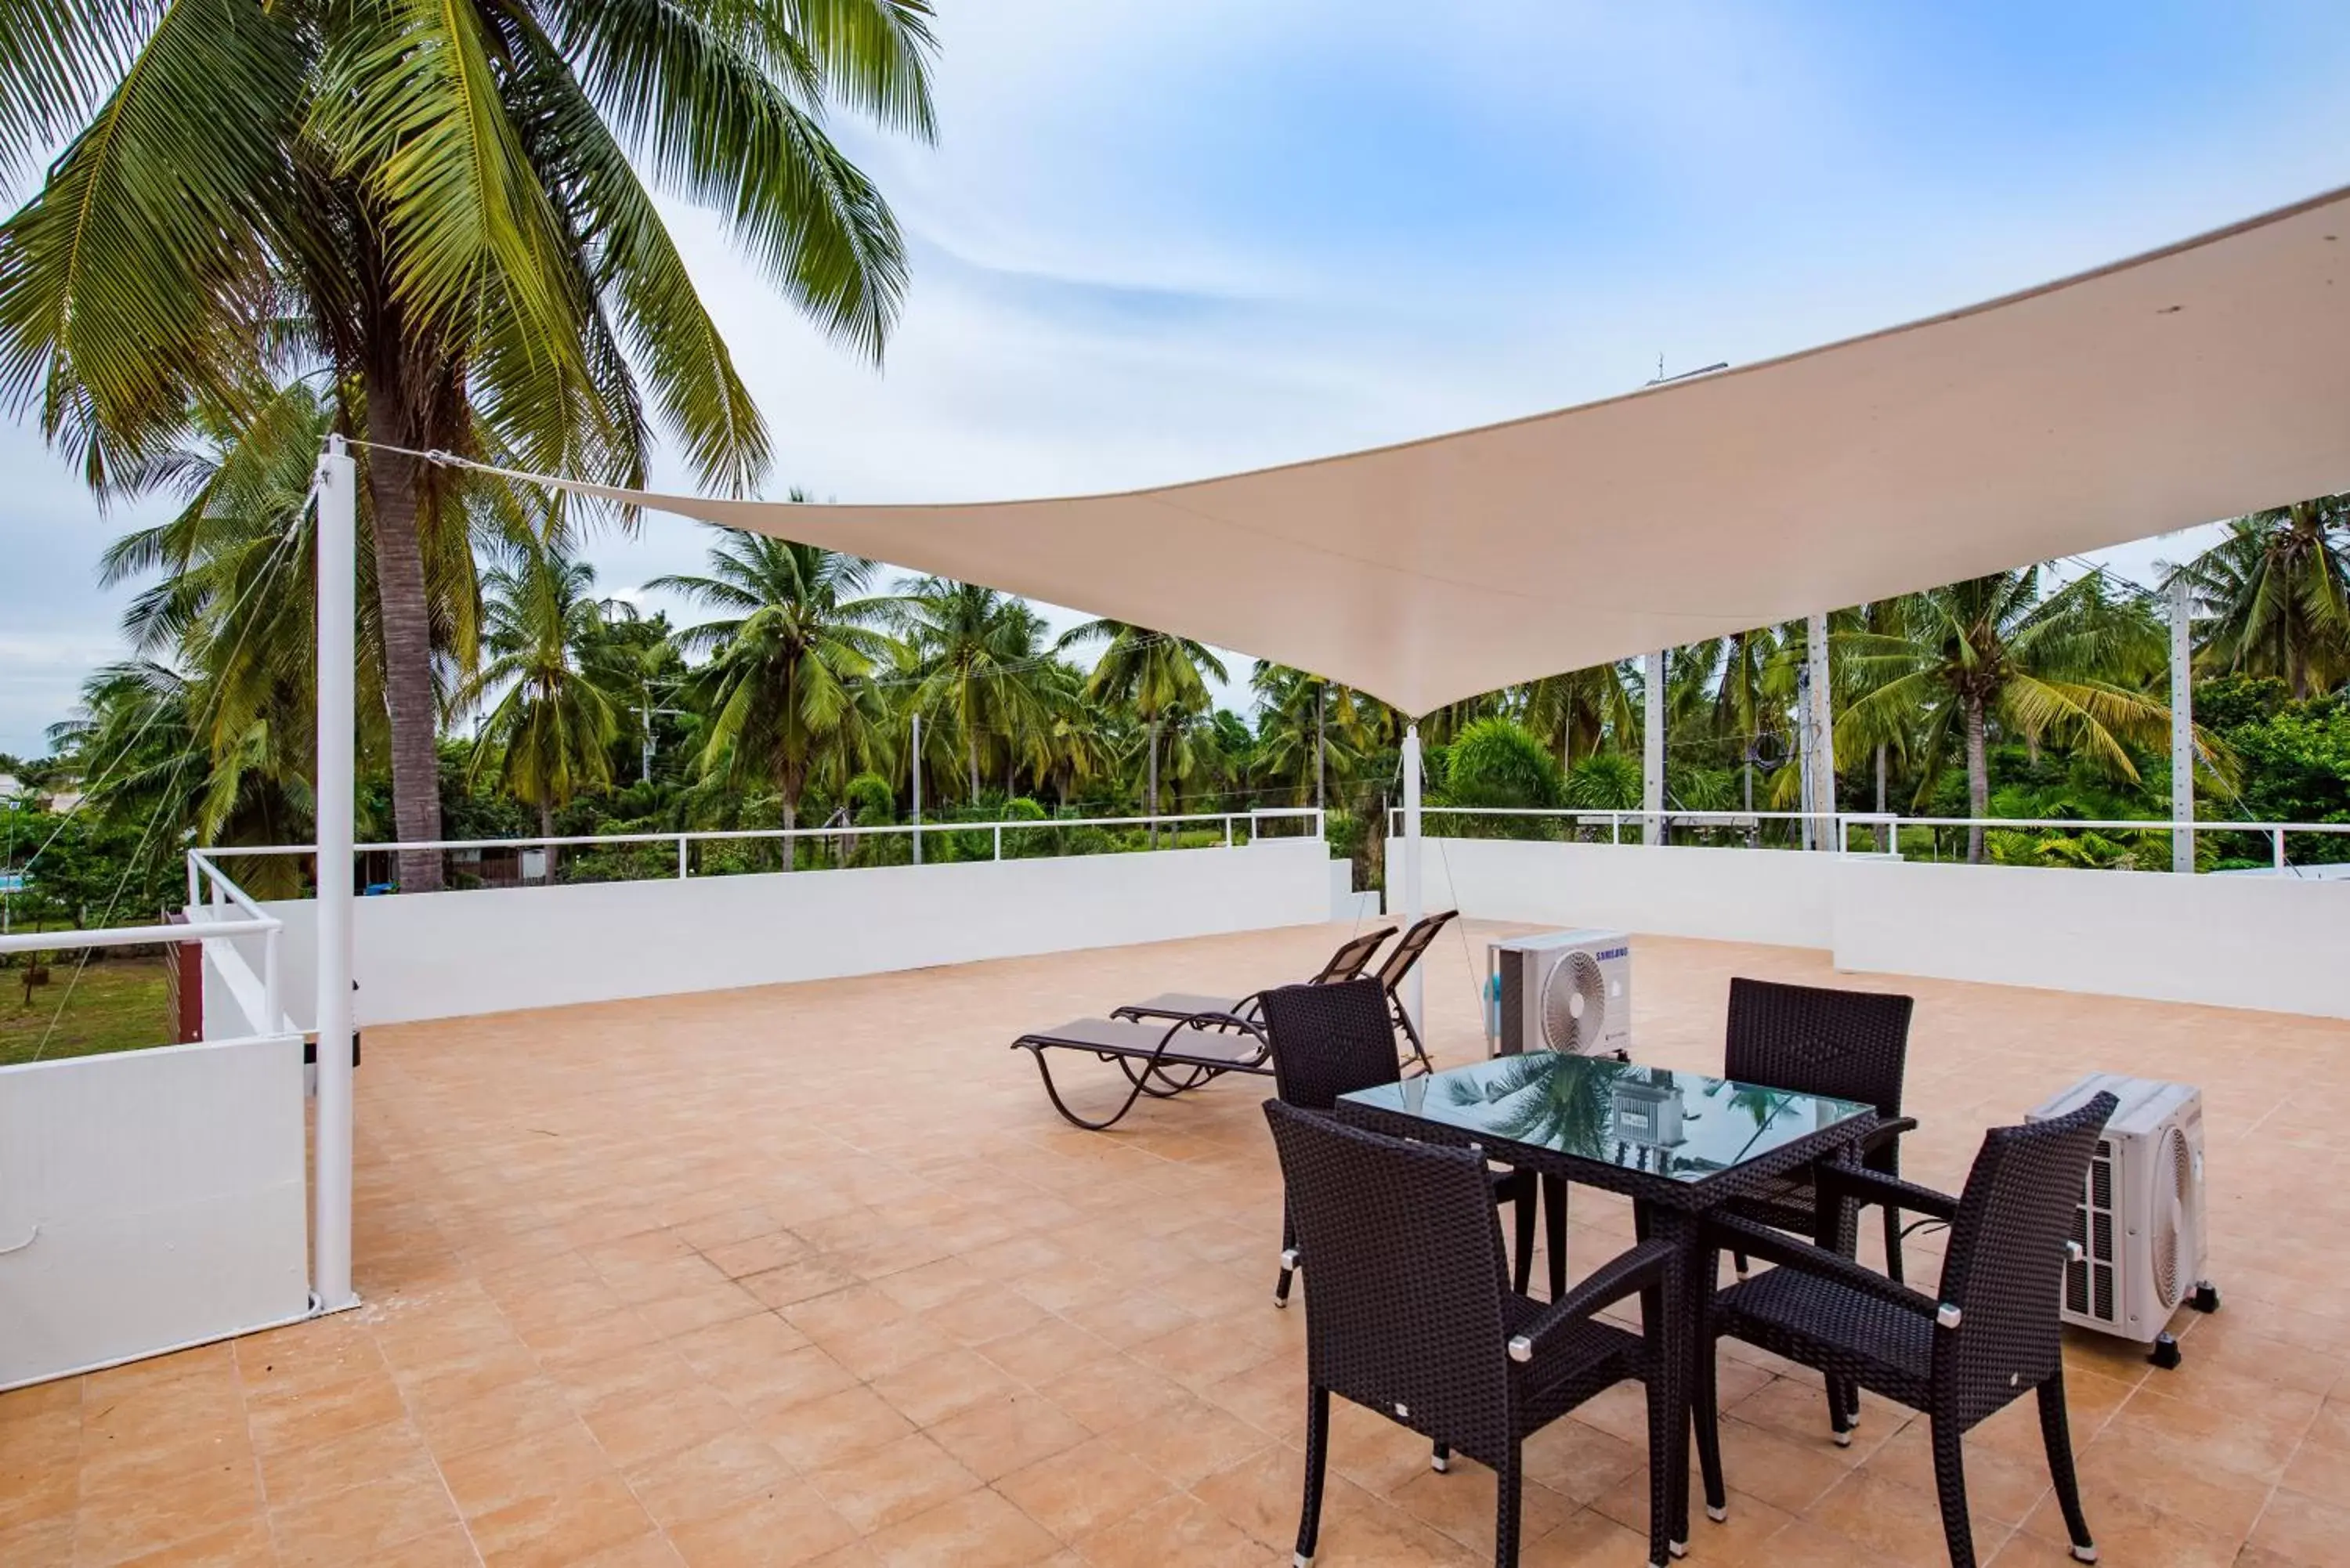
x: 2275, y: 595
x: 980, y: 670
x: 549, y: 734
x: 2071, y: 666
x: 1151, y: 672
x: 1307, y: 729
x: 787, y: 689
x: 438, y: 202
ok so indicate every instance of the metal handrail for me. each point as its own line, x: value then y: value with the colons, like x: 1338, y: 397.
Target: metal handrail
x: 132, y: 936
x: 704, y: 835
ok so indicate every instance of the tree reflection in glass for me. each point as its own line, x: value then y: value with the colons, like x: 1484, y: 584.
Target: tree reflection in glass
x: 1543, y: 1098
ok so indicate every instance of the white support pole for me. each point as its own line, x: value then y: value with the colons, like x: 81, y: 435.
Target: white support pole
x: 338, y: 494
x: 917, y: 771
x: 1652, y: 749
x: 2182, y: 730
x: 1413, y: 905
x: 1819, y: 733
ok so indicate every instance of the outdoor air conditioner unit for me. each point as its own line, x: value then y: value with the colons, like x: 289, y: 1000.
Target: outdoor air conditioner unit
x: 1568, y: 992
x: 2142, y: 1247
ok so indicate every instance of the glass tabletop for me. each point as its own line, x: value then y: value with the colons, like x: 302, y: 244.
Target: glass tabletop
x: 1682, y: 1125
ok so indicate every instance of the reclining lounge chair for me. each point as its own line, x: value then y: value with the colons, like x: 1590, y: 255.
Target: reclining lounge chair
x: 1345, y: 964
x: 1161, y: 1060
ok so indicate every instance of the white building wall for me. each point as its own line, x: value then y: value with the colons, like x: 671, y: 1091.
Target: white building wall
x: 149, y: 1200
x: 2270, y: 942
x: 443, y: 955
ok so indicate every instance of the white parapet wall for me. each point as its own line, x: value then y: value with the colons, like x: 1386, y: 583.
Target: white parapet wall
x: 1727, y: 895
x: 2268, y: 942
x: 445, y: 955
x: 149, y: 1200
x: 2274, y: 942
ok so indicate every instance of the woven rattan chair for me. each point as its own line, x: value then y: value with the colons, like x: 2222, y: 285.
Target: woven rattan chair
x: 1331, y: 1040
x: 1993, y: 1335
x: 1407, y: 1314
x: 1852, y: 1044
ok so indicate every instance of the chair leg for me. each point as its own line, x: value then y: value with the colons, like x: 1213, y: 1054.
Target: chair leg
x: 1950, y: 1485
x: 1440, y: 1459
x: 1317, y: 1456
x: 1893, y: 1244
x: 1844, y: 1415
x: 1704, y: 1397
x: 1554, y: 1203
x: 2056, y: 1432
x: 1507, y: 1496
x: 1288, y: 1250
x: 1522, y: 1267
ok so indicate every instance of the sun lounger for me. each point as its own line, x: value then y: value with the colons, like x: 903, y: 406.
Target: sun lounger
x: 1161, y: 1060
x: 1345, y: 965
x: 1398, y: 963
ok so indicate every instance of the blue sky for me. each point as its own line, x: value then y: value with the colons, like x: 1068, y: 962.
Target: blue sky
x: 1161, y: 241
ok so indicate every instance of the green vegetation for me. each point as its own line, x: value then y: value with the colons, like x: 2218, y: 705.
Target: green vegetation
x: 114, y: 1004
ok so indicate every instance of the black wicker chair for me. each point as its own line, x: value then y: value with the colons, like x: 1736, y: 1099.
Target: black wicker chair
x: 1331, y: 1040
x: 1852, y: 1045
x: 1993, y: 1334
x: 1409, y: 1315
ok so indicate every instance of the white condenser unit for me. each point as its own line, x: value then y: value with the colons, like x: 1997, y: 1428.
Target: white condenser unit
x: 1569, y: 991
x: 2141, y: 1243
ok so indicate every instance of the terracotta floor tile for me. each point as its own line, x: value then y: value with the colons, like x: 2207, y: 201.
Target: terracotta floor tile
x: 1190, y: 1440
x: 936, y: 1386
x: 560, y: 1527
x: 1083, y: 1489
x: 892, y: 1482
x: 358, y: 1524
x: 977, y: 1530
x: 1113, y: 1391
x: 555, y: 1209
x: 790, y: 1525
x: 1461, y: 1503
x: 841, y: 1425
x: 999, y: 1435
x: 245, y: 1545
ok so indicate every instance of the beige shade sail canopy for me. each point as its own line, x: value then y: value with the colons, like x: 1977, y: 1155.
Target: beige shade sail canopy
x: 2200, y: 382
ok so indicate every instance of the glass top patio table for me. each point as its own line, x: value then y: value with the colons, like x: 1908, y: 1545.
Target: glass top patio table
x: 1683, y: 1126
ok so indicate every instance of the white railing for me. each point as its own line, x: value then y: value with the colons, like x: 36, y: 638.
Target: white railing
x: 211, y: 891
x: 1240, y: 829
x: 1887, y: 826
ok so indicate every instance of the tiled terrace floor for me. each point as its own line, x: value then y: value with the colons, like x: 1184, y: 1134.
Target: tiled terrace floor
x: 812, y: 1274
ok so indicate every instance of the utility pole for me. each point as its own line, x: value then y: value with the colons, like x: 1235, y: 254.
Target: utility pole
x: 917, y: 771
x: 2182, y: 728
x: 1652, y: 750
x: 645, y: 749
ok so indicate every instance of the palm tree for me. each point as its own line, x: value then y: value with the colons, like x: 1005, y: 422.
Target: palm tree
x: 1151, y: 672
x: 1305, y: 725
x: 980, y: 664
x: 2275, y: 595
x: 437, y: 203
x: 788, y: 689
x: 549, y: 734
x: 1990, y: 649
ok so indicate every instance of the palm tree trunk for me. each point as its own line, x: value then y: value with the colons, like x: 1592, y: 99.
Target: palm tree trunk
x: 791, y: 821
x: 1154, y: 783
x: 1321, y: 753
x: 1977, y: 781
x: 971, y: 760
x: 1885, y: 835
x: 407, y: 625
x: 545, y: 830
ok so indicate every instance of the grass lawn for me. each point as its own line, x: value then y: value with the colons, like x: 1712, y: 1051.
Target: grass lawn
x: 119, y: 1005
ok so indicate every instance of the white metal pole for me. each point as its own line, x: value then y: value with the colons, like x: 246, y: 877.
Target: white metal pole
x: 1413, y: 907
x: 337, y: 492
x: 1652, y: 750
x: 1819, y: 731
x: 2182, y: 728
x: 917, y: 771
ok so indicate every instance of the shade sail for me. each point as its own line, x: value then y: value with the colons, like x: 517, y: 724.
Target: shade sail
x: 2199, y: 381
